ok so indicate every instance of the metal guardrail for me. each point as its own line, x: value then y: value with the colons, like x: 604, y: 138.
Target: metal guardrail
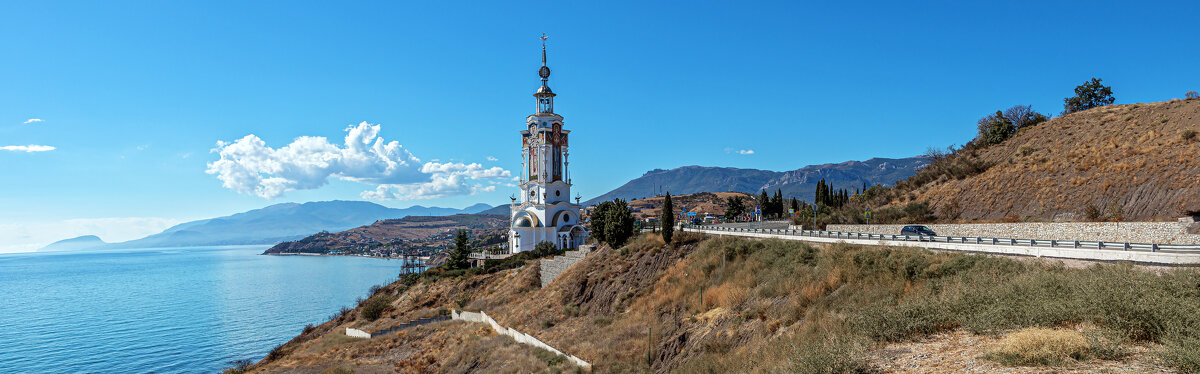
x: 1100, y: 245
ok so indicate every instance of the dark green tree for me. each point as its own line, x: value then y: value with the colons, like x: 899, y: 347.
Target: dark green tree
x: 668, y: 218
x: 795, y: 205
x: 820, y: 198
x: 995, y: 128
x: 763, y: 203
x: 458, y: 255
x: 543, y: 249
x: 1090, y: 94
x: 777, y: 203
x: 598, y: 219
x: 736, y: 207
x: 612, y: 222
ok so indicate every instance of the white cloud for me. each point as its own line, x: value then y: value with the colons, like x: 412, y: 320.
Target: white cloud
x: 27, y: 148
x: 32, y: 120
x: 248, y: 165
x: 446, y: 179
x: 745, y: 151
x: 29, y: 236
x: 490, y: 158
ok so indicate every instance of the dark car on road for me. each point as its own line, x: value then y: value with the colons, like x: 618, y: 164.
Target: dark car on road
x: 917, y: 230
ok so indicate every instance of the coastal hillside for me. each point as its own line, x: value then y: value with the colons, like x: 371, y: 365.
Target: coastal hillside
x: 413, y: 235
x: 280, y: 222
x: 719, y: 305
x: 800, y: 183
x: 1118, y: 162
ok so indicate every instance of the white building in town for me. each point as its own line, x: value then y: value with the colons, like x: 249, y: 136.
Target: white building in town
x: 544, y: 212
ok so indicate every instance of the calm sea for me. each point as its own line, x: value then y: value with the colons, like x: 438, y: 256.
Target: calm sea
x: 189, y: 310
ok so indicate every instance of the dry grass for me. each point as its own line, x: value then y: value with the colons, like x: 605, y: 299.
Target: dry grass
x: 1041, y: 346
x: 1139, y: 157
x: 736, y: 305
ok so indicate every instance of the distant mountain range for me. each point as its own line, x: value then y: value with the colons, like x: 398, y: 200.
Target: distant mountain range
x: 282, y: 222
x: 291, y: 221
x: 74, y: 244
x: 800, y: 183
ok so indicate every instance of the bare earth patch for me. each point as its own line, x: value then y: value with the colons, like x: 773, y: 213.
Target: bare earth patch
x: 962, y: 352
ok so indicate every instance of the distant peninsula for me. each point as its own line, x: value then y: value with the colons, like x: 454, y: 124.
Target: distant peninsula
x: 73, y: 244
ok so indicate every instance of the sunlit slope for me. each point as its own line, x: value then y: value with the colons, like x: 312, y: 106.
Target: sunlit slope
x: 1129, y: 162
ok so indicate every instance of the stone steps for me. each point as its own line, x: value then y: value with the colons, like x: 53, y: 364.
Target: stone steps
x: 553, y: 267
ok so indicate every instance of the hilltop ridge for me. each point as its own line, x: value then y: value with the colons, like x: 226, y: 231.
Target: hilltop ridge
x: 1119, y: 162
x: 800, y: 183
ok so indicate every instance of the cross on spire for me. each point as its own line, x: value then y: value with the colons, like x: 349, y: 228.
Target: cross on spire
x: 543, y: 39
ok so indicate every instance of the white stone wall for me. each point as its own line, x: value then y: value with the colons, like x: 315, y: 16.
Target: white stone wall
x: 516, y: 335
x: 356, y: 333
x: 1117, y: 232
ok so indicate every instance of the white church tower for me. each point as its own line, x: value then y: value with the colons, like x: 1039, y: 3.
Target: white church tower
x: 544, y: 212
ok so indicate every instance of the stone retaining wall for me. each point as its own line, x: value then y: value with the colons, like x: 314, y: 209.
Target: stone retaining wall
x: 1117, y: 232
x: 552, y: 268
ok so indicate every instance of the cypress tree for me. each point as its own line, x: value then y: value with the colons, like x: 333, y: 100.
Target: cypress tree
x: 668, y: 219
x: 778, y: 203
x: 462, y: 248
x: 819, y: 198
x: 764, y: 203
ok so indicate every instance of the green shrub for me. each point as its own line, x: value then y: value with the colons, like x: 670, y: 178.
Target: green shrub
x: 995, y: 128
x: 1183, y: 354
x: 836, y: 356
x: 1106, y: 344
x: 238, y: 367
x: 552, y: 359
x: 373, y: 308
x: 1089, y: 95
x: 571, y: 310
x: 1187, y: 134
x: 337, y: 370
x: 542, y: 250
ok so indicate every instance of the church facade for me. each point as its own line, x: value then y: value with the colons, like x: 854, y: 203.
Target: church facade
x: 544, y: 212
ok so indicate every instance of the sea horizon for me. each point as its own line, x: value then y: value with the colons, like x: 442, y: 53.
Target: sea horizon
x: 179, y: 309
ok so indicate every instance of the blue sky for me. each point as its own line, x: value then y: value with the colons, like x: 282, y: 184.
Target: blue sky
x: 135, y: 96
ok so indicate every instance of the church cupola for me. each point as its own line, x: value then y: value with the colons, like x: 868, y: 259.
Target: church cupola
x: 545, y: 97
